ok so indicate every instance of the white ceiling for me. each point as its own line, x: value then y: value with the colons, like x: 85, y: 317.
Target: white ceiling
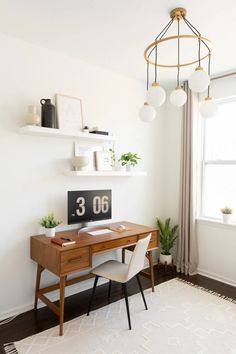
x: 114, y: 34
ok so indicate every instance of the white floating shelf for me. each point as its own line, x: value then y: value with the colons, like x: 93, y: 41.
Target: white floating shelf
x: 58, y: 133
x: 106, y: 173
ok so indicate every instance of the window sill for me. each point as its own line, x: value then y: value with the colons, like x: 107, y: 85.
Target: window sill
x: 215, y: 223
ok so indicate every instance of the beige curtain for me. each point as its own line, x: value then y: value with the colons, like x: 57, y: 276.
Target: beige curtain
x: 187, y: 254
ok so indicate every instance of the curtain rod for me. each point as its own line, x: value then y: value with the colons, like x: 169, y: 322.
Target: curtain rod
x: 223, y: 76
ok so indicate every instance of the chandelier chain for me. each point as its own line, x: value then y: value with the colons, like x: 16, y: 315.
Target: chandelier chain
x: 196, y: 32
x: 178, y: 72
x: 209, y: 73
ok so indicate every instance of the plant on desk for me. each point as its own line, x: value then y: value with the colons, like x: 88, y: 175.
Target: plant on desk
x: 168, y: 236
x: 50, y: 223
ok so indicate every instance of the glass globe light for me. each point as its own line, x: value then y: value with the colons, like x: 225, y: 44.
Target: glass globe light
x: 178, y: 97
x: 156, y: 95
x: 147, y: 113
x: 199, y: 80
x: 208, y: 107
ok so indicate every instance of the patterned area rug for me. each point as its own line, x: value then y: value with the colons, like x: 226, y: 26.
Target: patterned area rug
x: 182, y: 319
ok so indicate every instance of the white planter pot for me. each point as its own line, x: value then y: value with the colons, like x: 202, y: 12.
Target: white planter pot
x: 165, y: 259
x: 226, y: 218
x: 128, y: 168
x: 50, y: 232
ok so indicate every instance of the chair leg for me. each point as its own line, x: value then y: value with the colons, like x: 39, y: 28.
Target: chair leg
x: 93, y: 292
x: 123, y: 255
x: 141, y: 290
x: 127, y: 303
x: 109, y: 291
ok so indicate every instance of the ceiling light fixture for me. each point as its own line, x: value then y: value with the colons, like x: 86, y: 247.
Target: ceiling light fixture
x: 199, y: 81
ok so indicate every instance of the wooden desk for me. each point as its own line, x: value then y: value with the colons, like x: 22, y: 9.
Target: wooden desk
x: 64, y: 261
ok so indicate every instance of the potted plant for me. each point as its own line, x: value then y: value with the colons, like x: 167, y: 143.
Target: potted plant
x: 50, y: 223
x: 226, y: 214
x: 128, y: 159
x: 168, y: 235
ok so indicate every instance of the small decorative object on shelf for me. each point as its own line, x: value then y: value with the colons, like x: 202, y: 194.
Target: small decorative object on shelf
x: 129, y: 160
x: 168, y: 236
x: 32, y: 118
x: 50, y: 223
x: 99, y: 132
x: 86, y: 129
x: 226, y: 214
x: 48, y: 113
x: 78, y: 162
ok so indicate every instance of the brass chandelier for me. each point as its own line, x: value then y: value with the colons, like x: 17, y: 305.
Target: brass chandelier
x: 199, y: 81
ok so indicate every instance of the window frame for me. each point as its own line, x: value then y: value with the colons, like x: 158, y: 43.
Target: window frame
x: 205, y: 162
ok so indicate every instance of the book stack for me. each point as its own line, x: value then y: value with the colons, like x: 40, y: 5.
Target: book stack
x: 62, y: 241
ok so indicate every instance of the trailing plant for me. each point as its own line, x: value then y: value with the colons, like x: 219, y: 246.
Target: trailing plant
x: 113, y: 157
x: 226, y: 210
x: 49, y: 221
x: 168, y: 235
x: 129, y: 158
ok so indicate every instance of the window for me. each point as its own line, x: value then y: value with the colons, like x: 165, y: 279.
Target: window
x: 218, y: 184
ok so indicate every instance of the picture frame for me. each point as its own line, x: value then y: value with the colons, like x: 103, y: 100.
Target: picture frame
x: 69, y: 112
x: 103, y: 161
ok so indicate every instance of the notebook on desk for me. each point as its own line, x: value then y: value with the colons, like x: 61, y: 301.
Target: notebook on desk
x: 62, y: 241
x: 117, y: 228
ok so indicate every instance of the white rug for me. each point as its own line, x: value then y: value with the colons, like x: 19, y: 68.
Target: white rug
x: 181, y: 319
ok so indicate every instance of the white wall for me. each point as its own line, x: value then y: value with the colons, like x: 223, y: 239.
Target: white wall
x: 32, y: 179
x: 216, y: 243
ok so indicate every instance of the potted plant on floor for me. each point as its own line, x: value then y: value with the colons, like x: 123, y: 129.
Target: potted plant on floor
x: 168, y: 236
x: 50, y: 223
x: 226, y: 214
x: 129, y: 160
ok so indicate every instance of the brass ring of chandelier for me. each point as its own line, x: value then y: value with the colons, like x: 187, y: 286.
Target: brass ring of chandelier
x: 157, y: 42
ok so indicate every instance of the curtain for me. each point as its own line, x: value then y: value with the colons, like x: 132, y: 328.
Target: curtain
x: 187, y: 253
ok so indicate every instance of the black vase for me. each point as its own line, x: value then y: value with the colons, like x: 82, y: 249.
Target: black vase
x: 48, y: 113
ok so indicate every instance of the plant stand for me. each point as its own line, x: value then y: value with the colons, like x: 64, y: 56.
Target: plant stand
x: 165, y: 265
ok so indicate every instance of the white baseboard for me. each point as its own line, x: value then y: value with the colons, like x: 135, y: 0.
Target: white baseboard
x: 216, y: 277
x: 54, y: 296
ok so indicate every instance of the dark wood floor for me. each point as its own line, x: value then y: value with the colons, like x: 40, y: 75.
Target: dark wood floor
x: 32, y: 322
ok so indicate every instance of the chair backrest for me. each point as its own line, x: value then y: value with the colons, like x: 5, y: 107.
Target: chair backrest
x: 138, y: 257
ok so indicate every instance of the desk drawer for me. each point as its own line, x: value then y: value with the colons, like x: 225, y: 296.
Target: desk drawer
x: 75, y: 260
x: 115, y: 244
x: 153, y: 242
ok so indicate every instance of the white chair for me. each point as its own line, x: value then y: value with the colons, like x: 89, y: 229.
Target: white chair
x: 122, y: 273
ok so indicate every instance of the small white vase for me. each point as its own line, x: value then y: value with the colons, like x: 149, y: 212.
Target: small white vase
x: 226, y: 218
x: 32, y: 117
x: 128, y: 168
x: 78, y: 162
x: 50, y: 232
x: 165, y: 259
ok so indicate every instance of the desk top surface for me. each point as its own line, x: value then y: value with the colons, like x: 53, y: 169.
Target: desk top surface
x: 84, y: 239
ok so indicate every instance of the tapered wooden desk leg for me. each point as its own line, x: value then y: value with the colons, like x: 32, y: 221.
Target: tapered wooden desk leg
x: 123, y: 255
x: 62, y: 301
x: 37, y: 286
x: 151, y: 269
